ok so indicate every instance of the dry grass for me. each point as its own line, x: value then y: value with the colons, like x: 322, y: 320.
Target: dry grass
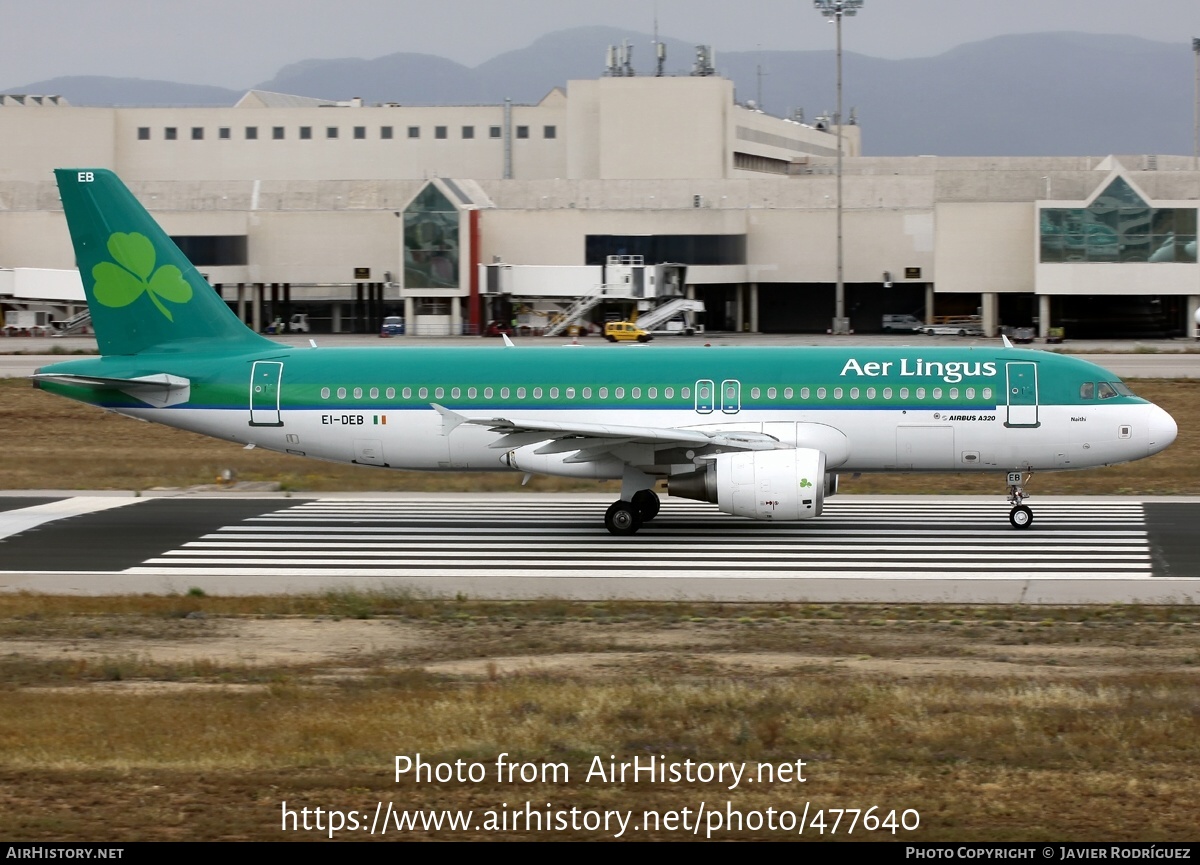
x: 99, y: 450
x: 993, y: 722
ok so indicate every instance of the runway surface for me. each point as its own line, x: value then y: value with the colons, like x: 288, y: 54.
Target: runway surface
x: 876, y: 548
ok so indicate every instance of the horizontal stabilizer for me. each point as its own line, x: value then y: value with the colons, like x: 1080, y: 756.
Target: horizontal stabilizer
x: 159, y: 390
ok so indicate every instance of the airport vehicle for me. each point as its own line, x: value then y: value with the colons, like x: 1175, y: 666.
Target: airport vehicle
x: 298, y: 323
x: 393, y: 325
x: 965, y: 327
x: 625, y: 331
x: 762, y: 432
x: 902, y: 323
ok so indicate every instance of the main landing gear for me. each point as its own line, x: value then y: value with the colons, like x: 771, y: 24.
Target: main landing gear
x: 626, y: 517
x: 1020, y: 516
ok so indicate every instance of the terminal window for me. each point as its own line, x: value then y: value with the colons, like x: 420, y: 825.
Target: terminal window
x: 414, y: 132
x: 522, y: 132
x: 493, y: 132
x: 170, y: 133
x: 439, y: 132
x: 360, y: 132
x: 277, y: 133
x: 468, y: 132
x: 331, y: 132
x: 223, y: 133
x: 385, y: 132
x: 143, y: 133
x: 305, y: 132
x: 197, y: 133
x: 550, y: 132
x: 251, y: 133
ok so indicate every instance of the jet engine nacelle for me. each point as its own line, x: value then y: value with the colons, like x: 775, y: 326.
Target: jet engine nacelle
x: 831, y: 484
x: 785, y: 484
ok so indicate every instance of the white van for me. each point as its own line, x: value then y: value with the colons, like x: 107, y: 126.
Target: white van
x: 906, y: 323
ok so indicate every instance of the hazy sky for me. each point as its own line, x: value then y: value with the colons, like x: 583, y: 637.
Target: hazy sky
x: 238, y: 43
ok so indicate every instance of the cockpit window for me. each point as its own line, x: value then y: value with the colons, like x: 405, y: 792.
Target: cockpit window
x: 1122, y: 389
x: 1087, y: 390
x: 1107, y: 391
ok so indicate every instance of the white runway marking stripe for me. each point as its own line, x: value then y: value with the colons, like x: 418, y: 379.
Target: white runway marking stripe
x: 905, y: 539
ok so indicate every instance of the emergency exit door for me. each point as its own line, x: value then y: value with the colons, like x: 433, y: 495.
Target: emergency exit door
x: 265, y: 377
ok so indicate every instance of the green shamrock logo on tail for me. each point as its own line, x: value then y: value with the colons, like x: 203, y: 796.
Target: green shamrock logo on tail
x: 121, y: 284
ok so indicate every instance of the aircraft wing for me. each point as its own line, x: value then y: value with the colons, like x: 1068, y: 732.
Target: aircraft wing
x: 588, y: 441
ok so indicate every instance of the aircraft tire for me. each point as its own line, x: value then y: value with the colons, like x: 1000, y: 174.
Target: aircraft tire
x: 1021, y: 517
x: 622, y: 518
x: 647, y: 504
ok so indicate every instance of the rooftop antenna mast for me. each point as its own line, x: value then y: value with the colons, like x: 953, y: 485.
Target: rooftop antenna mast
x: 660, y: 50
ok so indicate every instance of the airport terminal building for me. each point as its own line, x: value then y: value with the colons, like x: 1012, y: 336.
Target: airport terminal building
x: 454, y: 216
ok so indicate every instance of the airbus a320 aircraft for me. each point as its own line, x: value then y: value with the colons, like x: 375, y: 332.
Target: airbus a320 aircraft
x: 762, y: 432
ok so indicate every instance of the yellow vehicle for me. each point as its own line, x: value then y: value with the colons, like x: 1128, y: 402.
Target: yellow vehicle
x: 624, y: 331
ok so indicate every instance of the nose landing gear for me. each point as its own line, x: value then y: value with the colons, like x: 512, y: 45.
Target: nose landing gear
x: 1021, y: 516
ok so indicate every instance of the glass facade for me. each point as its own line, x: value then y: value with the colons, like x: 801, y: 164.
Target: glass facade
x: 1118, y: 226
x: 431, y: 241
x: 658, y: 248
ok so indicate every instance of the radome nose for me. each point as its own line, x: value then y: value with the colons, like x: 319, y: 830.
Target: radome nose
x: 1163, y: 429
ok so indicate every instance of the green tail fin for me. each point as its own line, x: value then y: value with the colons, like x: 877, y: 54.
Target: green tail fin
x: 143, y: 293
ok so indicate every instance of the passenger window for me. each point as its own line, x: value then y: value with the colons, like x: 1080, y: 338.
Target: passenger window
x: 787, y: 393
x: 537, y: 393
x: 407, y: 393
x: 937, y: 393
x: 987, y: 393
x: 439, y: 393
x: 870, y: 393
x: 341, y: 393
x: 770, y: 393
x: 374, y: 393
x: 424, y: 393
x: 520, y: 393
x: 669, y: 392
x: 487, y: 393
x: 390, y: 393
x: 503, y: 393
x: 853, y: 393
x: 587, y: 393
x: 636, y: 393
x: 324, y: 393
x: 702, y: 391
x: 920, y: 393
x: 903, y: 393
x: 603, y: 393
x: 652, y: 393
x: 1087, y: 390
x: 820, y: 393
x: 358, y: 393
x: 685, y: 392
x: 804, y: 392
x: 970, y: 393
x: 471, y: 392
x: 837, y: 393
x: 570, y: 393
x: 953, y: 393
x: 1106, y: 390
x: 887, y: 393
x: 619, y: 393
x: 755, y: 393
x: 553, y: 393
x: 456, y: 393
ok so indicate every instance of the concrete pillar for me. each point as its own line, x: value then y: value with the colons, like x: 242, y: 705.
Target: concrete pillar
x: 1193, y: 304
x: 335, y: 312
x: 991, y: 313
x: 754, y: 307
x: 1043, y: 315
x: 739, y: 317
x: 929, y: 295
x: 241, y: 302
x: 691, y: 292
x: 410, y: 318
x: 256, y: 313
x: 456, y: 316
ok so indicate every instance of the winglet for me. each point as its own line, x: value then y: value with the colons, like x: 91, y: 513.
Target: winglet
x: 1007, y: 344
x: 450, y: 419
x: 508, y: 343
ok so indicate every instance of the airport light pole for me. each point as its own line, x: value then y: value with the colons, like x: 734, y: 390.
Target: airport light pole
x: 1196, y: 110
x: 833, y: 10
